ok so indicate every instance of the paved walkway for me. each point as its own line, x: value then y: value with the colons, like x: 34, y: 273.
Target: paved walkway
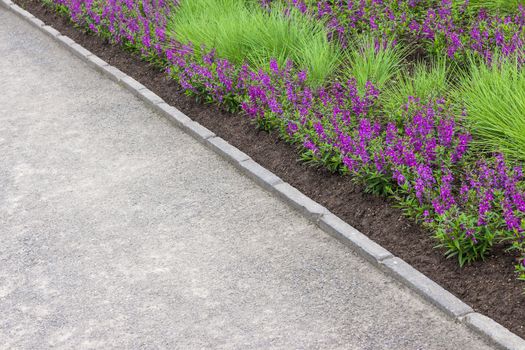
x: 117, y: 230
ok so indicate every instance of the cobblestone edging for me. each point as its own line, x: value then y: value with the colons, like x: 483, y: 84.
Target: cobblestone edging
x: 328, y: 222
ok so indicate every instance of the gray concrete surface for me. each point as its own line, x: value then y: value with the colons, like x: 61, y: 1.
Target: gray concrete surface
x: 117, y: 230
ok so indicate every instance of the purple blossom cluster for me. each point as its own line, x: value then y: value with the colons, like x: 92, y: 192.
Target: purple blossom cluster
x: 137, y: 24
x: 218, y: 77
x: 422, y: 158
x: 438, y: 26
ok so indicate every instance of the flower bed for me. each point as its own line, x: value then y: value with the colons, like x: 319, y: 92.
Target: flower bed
x: 420, y: 154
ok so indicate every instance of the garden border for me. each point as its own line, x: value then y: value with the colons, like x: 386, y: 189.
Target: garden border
x: 327, y: 221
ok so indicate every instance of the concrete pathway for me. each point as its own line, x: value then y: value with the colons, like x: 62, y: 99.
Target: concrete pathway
x: 117, y: 230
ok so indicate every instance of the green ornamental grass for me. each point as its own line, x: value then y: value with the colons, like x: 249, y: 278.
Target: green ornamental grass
x: 494, y: 97
x: 243, y: 31
x: 426, y: 82
x: 368, y: 61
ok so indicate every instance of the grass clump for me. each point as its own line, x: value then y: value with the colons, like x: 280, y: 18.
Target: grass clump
x: 369, y: 60
x: 243, y: 31
x: 426, y: 82
x: 494, y: 97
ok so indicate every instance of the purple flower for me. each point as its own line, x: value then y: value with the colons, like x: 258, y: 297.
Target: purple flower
x: 308, y: 144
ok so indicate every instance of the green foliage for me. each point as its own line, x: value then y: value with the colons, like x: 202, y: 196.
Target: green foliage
x: 493, y: 6
x: 61, y: 9
x: 327, y: 158
x: 426, y: 82
x: 521, y: 272
x: 494, y: 97
x: 371, y: 61
x: 467, y: 246
x: 520, y: 269
x: 244, y: 32
x: 376, y: 183
x: 409, y: 204
x: 518, y: 244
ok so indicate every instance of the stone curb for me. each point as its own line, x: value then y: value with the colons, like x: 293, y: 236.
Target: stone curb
x: 97, y: 63
x: 132, y: 85
x: 52, y: 32
x: 6, y: 3
x: 339, y: 229
x: 18, y: 10
x: 223, y: 148
x: 328, y: 222
x: 427, y: 288
x: 114, y: 73
x: 199, y: 132
x: 494, y: 332
x: 65, y: 40
x: 148, y: 96
x: 182, y: 121
x: 264, y: 177
x: 304, y: 204
x: 171, y: 113
x: 80, y: 51
x: 37, y: 22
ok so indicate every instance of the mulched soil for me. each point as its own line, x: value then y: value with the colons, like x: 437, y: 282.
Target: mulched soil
x: 490, y: 287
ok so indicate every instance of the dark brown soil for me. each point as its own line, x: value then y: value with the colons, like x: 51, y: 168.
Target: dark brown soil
x: 490, y: 287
